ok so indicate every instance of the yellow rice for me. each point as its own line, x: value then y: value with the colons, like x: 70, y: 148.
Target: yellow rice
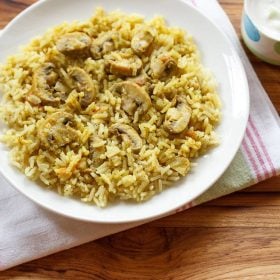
x: 101, y: 168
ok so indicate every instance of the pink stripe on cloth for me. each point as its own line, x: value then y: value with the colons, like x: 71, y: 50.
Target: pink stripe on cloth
x: 266, y: 154
x: 258, y: 154
x: 185, y: 207
x: 251, y: 160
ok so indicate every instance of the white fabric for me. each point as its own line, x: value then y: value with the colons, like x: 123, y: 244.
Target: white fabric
x: 29, y: 232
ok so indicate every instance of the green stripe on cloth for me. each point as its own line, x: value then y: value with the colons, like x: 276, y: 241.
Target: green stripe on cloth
x: 238, y: 176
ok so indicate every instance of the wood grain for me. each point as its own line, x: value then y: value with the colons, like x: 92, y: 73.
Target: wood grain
x: 235, y: 237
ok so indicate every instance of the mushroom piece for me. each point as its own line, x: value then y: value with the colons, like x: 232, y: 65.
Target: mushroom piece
x: 73, y: 43
x: 163, y: 65
x: 56, y: 131
x: 134, y: 98
x: 102, y: 45
x: 177, y: 119
x: 61, y: 90
x: 142, y: 40
x: 123, y: 64
x: 60, y: 87
x: 83, y: 83
x: 44, y: 78
x: 141, y: 79
x: 181, y: 165
x: 128, y: 134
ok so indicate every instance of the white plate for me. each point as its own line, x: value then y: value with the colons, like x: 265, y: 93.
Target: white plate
x: 217, y: 54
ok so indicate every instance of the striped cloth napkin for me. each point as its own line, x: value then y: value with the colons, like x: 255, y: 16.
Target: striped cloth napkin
x: 28, y: 232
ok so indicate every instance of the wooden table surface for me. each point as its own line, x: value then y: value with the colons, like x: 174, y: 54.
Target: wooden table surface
x: 235, y: 237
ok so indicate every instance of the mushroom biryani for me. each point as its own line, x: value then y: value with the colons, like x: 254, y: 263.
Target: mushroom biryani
x: 114, y: 108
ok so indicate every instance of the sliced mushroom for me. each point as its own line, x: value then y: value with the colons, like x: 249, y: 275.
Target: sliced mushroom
x: 43, y: 79
x: 83, y: 83
x: 123, y: 64
x: 141, y: 79
x: 134, y: 98
x: 56, y: 131
x: 177, y: 119
x: 73, y: 43
x: 142, y: 40
x: 181, y: 165
x: 163, y: 65
x: 128, y: 134
x: 102, y: 45
x: 60, y: 87
x: 62, y: 90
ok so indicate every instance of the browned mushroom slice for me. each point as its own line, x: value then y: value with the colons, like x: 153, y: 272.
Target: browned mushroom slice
x: 83, y: 83
x: 123, y: 64
x: 73, y: 43
x: 128, y: 134
x: 177, y: 118
x: 142, y: 40
x: 102, y: 45
x: 141, y: 79
x: 44, y: 78
x: 163, y: 65
x: 134, y: 98
x: 56, y: 131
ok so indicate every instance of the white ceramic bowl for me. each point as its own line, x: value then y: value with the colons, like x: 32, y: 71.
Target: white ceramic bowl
x: 217, y: 54
x: 257, y: 39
